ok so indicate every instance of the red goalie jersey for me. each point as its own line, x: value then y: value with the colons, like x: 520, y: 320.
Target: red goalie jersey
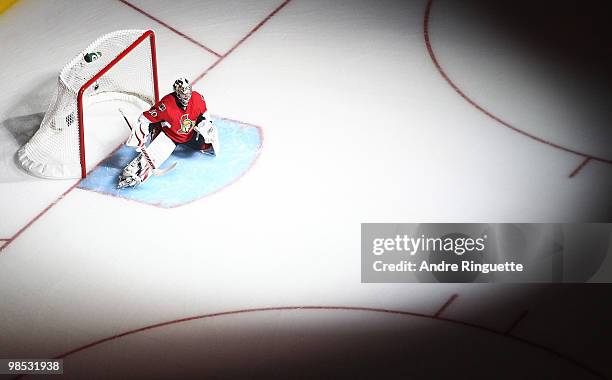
x: 181, y: 121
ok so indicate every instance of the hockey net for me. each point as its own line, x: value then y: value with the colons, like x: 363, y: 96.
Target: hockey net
x: 117, y: 66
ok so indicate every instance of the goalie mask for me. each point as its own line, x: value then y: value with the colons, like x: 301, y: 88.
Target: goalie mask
x: 182, y: 90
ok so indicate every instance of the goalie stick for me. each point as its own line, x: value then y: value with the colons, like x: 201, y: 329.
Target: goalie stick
x: 156, y: 171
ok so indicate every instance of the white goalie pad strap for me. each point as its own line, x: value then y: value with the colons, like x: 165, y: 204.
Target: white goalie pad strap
x: 140, y: 133
x: 160, y: 149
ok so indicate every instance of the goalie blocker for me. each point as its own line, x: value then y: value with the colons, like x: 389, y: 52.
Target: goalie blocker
x: 180, y: 117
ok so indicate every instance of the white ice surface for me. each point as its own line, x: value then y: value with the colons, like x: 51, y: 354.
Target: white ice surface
x: 358, y: 127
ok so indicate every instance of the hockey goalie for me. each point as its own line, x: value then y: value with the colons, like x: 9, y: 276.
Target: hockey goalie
x: 180, y: 117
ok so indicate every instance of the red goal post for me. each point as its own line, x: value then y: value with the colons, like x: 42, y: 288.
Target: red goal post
x: 121, y: 65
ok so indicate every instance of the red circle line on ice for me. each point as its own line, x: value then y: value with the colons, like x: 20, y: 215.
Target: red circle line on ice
x: 461, y: 93
x: 507, y: 333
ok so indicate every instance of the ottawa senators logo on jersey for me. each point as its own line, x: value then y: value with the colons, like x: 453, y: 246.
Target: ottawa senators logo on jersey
x: 186, y: 124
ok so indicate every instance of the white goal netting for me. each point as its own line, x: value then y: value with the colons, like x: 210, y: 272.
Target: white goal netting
x: 117, y: 66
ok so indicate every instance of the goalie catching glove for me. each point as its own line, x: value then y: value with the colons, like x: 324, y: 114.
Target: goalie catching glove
x: 209, y: 132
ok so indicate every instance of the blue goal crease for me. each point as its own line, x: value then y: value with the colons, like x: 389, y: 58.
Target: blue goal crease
x: 196, y: 174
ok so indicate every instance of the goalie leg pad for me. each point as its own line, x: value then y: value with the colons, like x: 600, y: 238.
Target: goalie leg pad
x: 135, y: 173
x: 160, y: 149
x: 140, y: 169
